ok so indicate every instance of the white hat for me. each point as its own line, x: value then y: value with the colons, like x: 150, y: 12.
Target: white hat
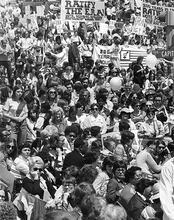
x: 126, y: 110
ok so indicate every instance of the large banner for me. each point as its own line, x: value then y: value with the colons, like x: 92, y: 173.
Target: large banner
x: 82, y: 10
x: 152, y: 12
x: 127, y: 55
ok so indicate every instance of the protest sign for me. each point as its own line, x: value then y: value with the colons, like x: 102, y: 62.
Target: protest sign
x: 40, y: 10
x: 27, y: 10
x: 103, y: 54
x: 111, y: 25
x: 152, y: 12
x: 138, y: 27
x: 103, y: 28
x: 59, y: 26
x: 80, y: 10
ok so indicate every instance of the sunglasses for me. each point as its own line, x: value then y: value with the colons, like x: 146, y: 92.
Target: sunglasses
x: 72, y: 135
x: 161, y: 146
x: 94, y: 109
x: 148, y: 105
x: 51, y: 92
x: 37, y: 169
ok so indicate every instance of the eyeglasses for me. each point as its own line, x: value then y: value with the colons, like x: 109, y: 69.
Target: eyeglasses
x: 94, y: 109
x: 137, y: 105
x: 120, y: 170
x: 150, y: 113
x: 148, y: 105
x: 37, y: 169
x: 52, y: 92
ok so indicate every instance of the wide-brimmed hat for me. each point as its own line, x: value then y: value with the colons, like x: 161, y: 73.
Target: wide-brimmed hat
x: 126, y: 110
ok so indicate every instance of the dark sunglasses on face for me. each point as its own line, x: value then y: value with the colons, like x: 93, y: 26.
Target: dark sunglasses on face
x: 94, y: 109
x: 72, y: 135
x: 37, y: 169
x: 51, y: 92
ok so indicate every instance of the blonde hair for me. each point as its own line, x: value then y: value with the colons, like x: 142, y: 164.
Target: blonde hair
x: 49, y: 130
x: 55, y: 110
x: 113, y: 212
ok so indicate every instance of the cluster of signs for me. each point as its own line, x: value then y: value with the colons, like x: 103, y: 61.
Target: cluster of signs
x: 151, y: 13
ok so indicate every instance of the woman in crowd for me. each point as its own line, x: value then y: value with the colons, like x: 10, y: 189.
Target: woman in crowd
x: 36, y: 183
x: 52, y: 97
x: 132, y: 176
x: 15, y: 109
x: 116, y: 184
x: 137, y: 115
x: 125, y: 114
x: 123, y: 151
x: 146, y: 162
x: 100, y: 183
x: 139, y: 76
x: 150, y: 82
x: 151, y: 128
x: 58, y: 120
x: 95, y: 119
x: 113, y: 118
x: 20, y: 166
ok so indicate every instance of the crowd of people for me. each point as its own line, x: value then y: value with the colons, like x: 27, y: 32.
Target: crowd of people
x: 71, y: 147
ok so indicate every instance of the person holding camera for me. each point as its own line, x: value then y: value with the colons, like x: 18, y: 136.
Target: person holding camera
x: 151, y: 128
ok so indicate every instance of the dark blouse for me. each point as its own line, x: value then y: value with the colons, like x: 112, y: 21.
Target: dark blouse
x: 33, y: 187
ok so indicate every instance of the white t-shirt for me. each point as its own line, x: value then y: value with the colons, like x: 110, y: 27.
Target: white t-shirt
x: 11, y: 107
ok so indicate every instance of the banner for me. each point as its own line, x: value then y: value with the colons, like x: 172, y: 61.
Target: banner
x: 127, y: 55
x: 152, y: 12
x: 83, y: 10
x: 103, y: 54
x: 138, y: 27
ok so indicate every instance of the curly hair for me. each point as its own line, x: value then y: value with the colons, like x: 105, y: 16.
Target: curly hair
x: 7, y: 211
x: 113, y: 212
x: 81, y: 191
x: 88, y: 173
x: 92, y: 206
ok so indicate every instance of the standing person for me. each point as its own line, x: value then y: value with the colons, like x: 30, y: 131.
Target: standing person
x: 166, y: 187
x: 5, y: 52
x: 73, y: 53
x: 15, y: 109
x: 139, y: 76
x: 76, y: 158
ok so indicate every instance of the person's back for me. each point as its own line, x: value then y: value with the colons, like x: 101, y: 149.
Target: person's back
x: 141, y: 161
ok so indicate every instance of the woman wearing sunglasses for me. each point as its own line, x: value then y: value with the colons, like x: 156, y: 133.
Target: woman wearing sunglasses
x: 95, y: 119
x: 36, y: 182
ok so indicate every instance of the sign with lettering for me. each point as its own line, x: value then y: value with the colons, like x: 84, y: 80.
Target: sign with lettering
x: 152, y: 12
x: 102, y: 53
x: 83, y: 10
x: 164, y: 53
x: 138, y: 27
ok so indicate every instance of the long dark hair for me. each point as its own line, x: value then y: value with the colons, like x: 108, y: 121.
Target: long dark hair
x: 14, y: 91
